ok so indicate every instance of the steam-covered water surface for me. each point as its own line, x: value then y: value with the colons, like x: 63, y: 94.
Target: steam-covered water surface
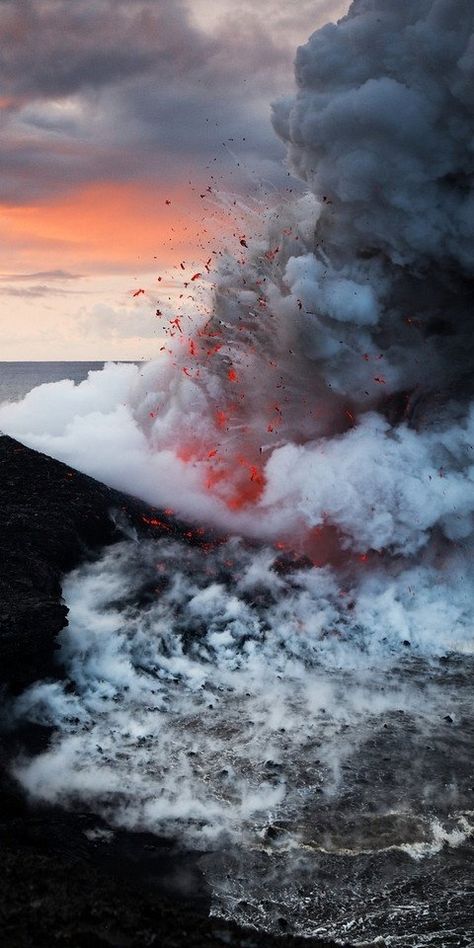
x: 303, y: 718
x: 313, y: 743
x: 19, y: 378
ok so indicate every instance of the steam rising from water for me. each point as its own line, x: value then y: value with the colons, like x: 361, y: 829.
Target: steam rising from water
x: 325, y: 407
x: 270, y: 714
x: 222, y: 674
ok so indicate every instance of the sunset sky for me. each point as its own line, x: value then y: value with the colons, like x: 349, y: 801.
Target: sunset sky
x: 117, y: 116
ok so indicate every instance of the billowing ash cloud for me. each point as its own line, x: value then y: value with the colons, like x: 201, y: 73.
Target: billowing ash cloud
x: 382, y: 131
x: 326, y: 401
x: 382, y: 126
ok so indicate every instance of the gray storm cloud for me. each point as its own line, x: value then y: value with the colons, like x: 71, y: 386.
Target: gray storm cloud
x: 125, y: 89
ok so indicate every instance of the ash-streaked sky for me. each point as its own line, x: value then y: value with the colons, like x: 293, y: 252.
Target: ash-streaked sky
x: 117, y: 115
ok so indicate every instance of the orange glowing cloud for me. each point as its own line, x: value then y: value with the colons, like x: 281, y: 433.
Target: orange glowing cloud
x: 8, y: 102
x: 104, y: 227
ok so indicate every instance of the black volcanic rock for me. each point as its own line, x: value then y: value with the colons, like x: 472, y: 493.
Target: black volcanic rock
x: 64, y: 881
x: 51, y: 517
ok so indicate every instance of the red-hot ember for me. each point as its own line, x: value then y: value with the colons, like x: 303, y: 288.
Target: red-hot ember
x: 155, y: 522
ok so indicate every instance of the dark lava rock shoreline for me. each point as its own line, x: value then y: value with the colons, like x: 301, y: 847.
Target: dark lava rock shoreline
x: 65, y: 881
x: 52, y: 518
